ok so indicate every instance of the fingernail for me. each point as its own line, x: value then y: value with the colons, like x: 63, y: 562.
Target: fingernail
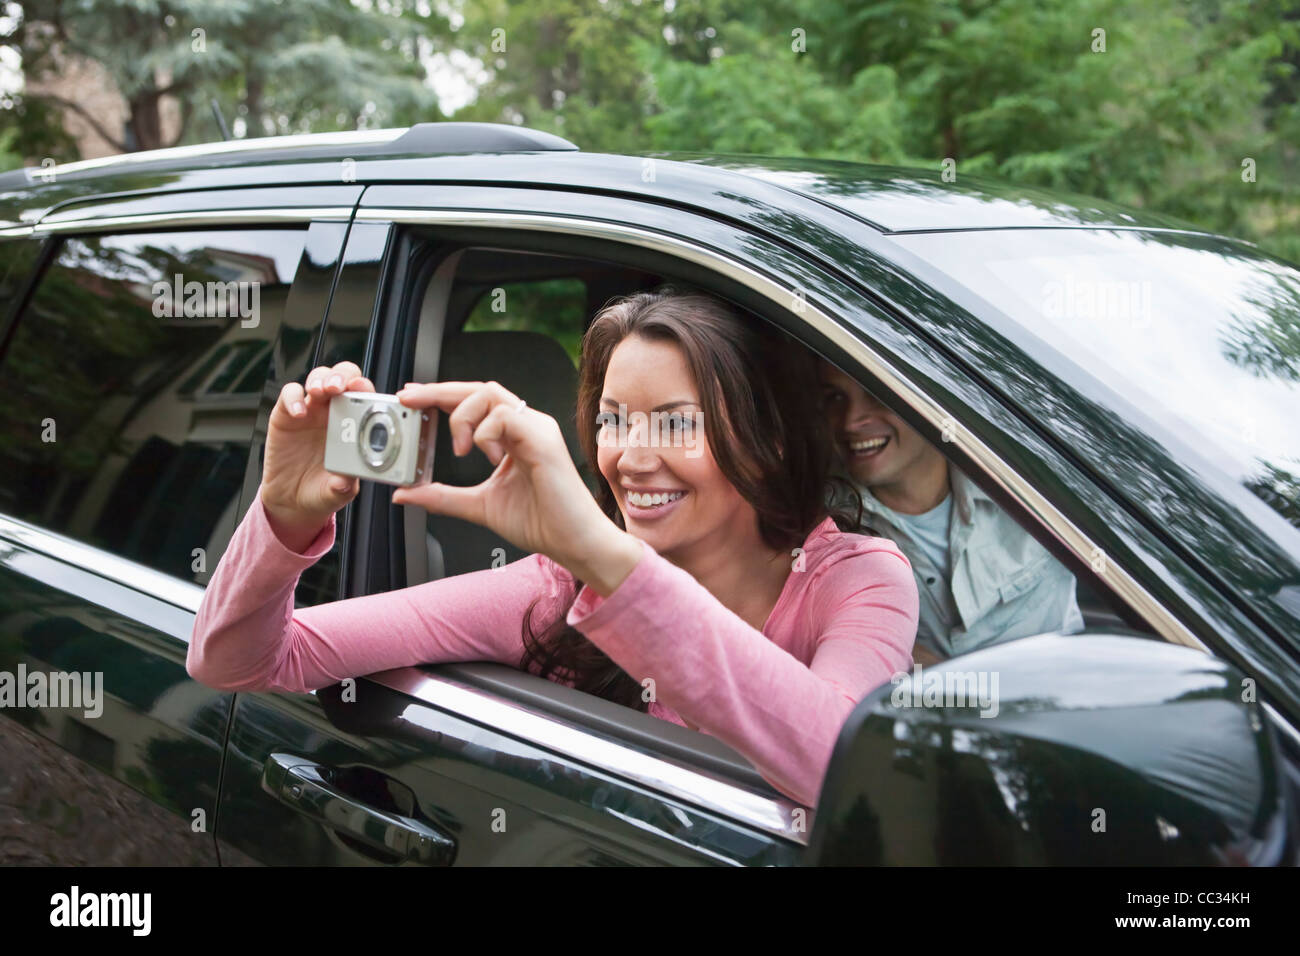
x: 298, y: 408
x: 336, y: 381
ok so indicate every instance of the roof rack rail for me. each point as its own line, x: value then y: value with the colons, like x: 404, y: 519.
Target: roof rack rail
x: 360, y: 138
x: 423, y: 138
x: 457, y: 137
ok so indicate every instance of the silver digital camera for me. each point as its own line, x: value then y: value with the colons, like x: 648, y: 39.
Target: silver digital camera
x: 376, y: 437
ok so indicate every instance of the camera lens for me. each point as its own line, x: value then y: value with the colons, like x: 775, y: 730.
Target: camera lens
x: 380, y: 438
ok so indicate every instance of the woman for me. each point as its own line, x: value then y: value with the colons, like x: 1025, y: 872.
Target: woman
x: 708, y: 582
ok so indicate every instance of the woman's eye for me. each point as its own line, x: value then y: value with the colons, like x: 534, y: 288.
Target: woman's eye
x: 678, y: 423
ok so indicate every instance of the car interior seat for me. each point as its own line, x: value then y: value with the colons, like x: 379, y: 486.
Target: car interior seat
x: 537, y: 369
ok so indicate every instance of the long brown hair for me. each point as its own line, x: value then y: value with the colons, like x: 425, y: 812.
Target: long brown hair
x: 765, y: 426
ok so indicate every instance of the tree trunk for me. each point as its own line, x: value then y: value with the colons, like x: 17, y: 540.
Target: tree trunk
x: 146, y: 120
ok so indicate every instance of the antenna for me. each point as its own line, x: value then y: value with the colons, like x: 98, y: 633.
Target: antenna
x: 221, y: 121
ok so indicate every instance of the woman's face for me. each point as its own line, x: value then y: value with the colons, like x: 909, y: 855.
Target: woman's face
x: 653, y: 451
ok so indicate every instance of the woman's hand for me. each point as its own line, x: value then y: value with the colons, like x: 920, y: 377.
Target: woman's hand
x: 298, y: 493
x: 535, y: 498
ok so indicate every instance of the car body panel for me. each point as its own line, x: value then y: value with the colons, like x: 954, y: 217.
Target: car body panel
x: 502, y: 800
x: 1079, y: 750
x: 888, y: 198
x: 135, y: 783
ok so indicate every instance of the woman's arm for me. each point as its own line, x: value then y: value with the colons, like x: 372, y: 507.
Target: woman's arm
x: 717, y: 671
x: 247, y: 635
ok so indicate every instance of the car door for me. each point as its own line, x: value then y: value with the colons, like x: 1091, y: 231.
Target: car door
x: 475, y: 765
x: 131, y: 384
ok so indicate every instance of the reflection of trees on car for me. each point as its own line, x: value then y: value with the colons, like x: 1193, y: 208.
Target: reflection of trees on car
x: 1268, y: 341
x: 137, y: 400
x: 98, y: 321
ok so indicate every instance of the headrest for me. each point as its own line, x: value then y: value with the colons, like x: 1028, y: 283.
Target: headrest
x: 532, y: 365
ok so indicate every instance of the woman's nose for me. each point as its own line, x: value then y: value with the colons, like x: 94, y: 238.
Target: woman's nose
x: 639, y: 455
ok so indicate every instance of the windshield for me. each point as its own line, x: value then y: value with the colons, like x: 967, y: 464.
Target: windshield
x: 1201, y: 334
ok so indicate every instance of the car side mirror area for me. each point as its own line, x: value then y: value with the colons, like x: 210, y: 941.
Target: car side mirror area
x: 1086, y: 749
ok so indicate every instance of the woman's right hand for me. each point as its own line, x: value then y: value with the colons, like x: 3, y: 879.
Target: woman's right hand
x: 299, y: 495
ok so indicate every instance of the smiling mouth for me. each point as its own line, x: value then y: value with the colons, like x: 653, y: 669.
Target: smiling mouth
x: 867, y: 447
x: 657, y: 500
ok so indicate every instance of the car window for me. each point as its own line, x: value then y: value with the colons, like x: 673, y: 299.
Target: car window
x: 131, y: 385
x: 981, y: 577
x: 553, y: 307
x: 525, y: 334
x: 1198, y: 336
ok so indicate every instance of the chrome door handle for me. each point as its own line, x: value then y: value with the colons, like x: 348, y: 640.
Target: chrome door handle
x: 305, y: 786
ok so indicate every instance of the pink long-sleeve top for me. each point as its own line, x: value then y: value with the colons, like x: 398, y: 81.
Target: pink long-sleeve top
x: 844, y: 624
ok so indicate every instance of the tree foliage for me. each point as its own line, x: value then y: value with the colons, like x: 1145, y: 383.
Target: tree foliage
x: 1190, y: 107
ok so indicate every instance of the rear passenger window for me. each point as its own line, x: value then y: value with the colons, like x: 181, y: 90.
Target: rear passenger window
x: 130, y: 388
x: 554, y: 307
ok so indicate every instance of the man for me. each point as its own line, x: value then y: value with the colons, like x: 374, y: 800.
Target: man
x: 982, y: 579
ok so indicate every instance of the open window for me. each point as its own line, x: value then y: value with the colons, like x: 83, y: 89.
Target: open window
x: 512, y: 307
x: 516, y: 315
x: 982, y: 577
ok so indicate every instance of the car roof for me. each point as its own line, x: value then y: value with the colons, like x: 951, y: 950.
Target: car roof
x: 889, y: 198
x: 906, y: 199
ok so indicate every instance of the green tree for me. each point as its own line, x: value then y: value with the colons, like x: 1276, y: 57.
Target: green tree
x: 283, y: 67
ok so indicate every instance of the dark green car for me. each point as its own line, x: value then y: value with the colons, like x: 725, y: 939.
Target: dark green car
x: 1126, y: 388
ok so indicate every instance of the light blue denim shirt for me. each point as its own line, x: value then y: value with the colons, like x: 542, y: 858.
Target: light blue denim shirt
x: 1004, y: 584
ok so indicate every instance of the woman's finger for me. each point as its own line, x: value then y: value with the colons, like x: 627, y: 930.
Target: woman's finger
x: 491, y: 434
x: 470, y: 415
x: 291, y: 399
x: 336, y: 379
x: 328, y: 380
x: 447, y: 395
x: 315, y: 383
x: 468, y: 402
x: 444, y: 396
x: 345, y: 372
x: 437, y: 498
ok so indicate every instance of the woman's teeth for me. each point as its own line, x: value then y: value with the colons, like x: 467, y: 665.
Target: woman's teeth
x: 871, y: 444
x: 652, y: 501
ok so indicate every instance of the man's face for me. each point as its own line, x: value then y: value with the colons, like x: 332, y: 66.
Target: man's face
x: 877, y: 446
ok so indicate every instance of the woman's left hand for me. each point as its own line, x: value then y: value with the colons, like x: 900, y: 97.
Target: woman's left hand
x: 535, y: 498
